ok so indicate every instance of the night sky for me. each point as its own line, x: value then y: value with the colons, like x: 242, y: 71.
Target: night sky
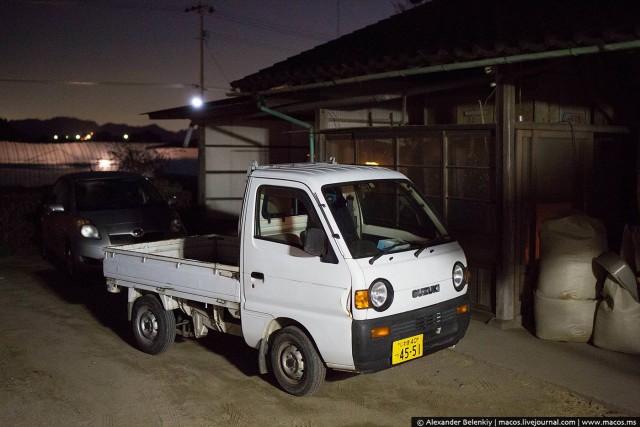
x: 113, y: 60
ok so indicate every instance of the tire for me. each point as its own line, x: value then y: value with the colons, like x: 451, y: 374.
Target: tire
x: 295, y: 362
x: 70, y: 263
x: 154, y: 328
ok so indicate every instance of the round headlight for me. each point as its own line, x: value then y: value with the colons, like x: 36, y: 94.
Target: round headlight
x: 89, y: 231
x: 459, y: 276
x: 380, y: 294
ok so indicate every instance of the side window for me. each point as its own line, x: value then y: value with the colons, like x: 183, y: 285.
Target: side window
x: 284, y: 215
x: 61, y: 194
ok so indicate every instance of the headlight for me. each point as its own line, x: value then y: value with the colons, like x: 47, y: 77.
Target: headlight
x: 460, y: 276
x: 380, y: 294
x: 89, y: 231
x: 176, y: 226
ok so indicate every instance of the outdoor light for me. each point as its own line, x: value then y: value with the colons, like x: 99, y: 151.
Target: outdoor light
x: 196, y: 102
x: 104, y: 163
x: 55, y: 137
x: 125, y: 136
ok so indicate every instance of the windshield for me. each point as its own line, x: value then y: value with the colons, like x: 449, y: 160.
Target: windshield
x: 107, y: 194
x: 377, y: 217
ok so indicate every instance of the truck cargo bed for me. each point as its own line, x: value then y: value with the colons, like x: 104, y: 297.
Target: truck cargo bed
x: 202, y: 268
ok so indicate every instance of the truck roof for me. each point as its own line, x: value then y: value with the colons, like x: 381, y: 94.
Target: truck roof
x: 324, y: 173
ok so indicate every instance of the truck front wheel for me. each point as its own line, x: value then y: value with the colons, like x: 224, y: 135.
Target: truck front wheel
x: 154, y: 328
x: 295, y: 362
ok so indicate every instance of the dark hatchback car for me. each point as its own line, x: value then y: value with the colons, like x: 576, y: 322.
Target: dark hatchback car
x: 86, y: 211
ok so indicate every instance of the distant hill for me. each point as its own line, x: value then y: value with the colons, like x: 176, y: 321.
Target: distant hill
x: 35, y: 130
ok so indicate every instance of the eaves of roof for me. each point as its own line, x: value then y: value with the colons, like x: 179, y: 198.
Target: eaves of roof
x: 216, y: 110
x: 449, y: 32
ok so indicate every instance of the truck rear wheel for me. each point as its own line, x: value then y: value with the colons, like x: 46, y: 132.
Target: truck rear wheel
x: 154, y: 328
x: 295, y: 362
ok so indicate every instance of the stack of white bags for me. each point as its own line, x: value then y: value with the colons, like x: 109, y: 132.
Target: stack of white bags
x: 567, y: 304
x: 565, y: 299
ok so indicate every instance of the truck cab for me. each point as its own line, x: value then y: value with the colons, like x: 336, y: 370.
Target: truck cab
x: 354, y: 260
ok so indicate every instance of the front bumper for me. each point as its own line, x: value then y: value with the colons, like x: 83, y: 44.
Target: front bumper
x: 440, y: 325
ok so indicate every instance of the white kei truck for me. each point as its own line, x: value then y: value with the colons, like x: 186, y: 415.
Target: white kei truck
x: 335, y: 266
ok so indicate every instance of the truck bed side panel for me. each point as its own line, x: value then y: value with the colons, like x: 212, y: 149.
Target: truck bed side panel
x: 185, y: 265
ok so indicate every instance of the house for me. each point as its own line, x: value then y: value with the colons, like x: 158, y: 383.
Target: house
x: 504, y: 114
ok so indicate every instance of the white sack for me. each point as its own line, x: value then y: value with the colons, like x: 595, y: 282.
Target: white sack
x: 573, y: 235
x: 567, y: 248
x: 617, y: 325
x: 567, y: 277
x: 569, y: 320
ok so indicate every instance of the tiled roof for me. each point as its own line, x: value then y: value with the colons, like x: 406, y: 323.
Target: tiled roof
x: 456, y: 31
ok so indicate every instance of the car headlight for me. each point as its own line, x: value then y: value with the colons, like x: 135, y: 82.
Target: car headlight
x: 176, y: 226
x: 459, y: 276
x: 380, y: 294
x: 89, y: 231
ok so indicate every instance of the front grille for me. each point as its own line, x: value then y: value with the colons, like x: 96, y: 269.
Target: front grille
x: 424, y: 324
x: 126, y: 239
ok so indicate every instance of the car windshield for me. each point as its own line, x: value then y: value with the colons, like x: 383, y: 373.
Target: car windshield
x: 378, y: 217
x: 121, y: 193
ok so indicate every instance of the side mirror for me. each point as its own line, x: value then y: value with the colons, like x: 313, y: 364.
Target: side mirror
x: 315, y: 242
x: 55, y: 207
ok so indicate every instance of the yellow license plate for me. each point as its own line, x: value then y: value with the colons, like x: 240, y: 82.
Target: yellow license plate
x: 406, y: 349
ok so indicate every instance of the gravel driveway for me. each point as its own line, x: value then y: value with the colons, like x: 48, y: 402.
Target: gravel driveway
x: 67, y: 358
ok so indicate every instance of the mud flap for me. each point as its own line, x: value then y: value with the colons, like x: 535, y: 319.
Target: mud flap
x: 262, y: 357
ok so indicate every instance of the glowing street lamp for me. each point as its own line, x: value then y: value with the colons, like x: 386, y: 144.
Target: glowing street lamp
x: 196, y: 102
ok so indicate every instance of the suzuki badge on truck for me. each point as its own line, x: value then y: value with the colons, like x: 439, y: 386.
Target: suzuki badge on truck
x: 334, y: 266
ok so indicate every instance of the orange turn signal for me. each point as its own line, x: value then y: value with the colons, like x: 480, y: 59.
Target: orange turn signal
x: 462, y: 309
x: 362, y: 299
x: 379, y: 332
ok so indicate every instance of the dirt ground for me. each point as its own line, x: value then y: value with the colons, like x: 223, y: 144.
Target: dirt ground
x: 67, y: 358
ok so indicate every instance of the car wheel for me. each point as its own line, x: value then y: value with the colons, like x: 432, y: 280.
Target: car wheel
x: 295, y: 362
x: 70, y: 263
x: 154, y: 328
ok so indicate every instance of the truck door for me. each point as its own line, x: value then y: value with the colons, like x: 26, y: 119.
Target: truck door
x: 282, y: 281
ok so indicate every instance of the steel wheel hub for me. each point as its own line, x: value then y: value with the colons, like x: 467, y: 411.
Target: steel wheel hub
x: 148, y: 325
x: 292, y: 362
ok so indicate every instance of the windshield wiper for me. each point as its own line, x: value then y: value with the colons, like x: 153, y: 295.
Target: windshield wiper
x: 387, y: 250
x: 436, y: 240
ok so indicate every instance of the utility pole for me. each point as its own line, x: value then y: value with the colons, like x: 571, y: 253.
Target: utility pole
x: 201, y: 9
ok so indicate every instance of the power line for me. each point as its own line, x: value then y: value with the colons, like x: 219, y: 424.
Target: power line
x: 213, y: 58
x: 107, y: 83
x: 223, y: 16
x: 283, y: 29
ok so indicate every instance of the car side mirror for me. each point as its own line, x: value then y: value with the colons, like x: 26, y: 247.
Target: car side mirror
x: 55, y: 207
x: 315, y: 242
